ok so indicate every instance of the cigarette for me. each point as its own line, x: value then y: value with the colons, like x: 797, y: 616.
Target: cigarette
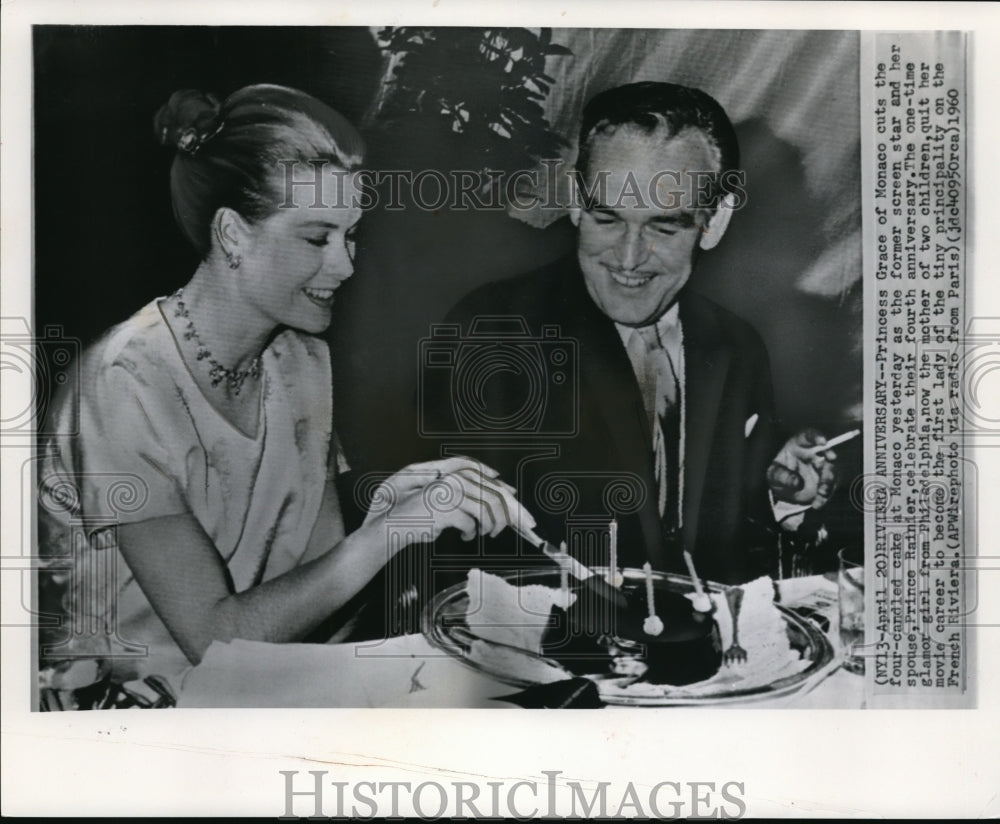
x: 815, y: 450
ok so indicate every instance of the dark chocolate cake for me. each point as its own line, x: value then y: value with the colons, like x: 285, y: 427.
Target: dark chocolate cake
x: 593, y: 638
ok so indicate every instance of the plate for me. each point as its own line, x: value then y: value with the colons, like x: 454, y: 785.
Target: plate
x: 444, y: 626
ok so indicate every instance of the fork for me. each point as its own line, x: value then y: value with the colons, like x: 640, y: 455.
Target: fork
x: 735, y: 654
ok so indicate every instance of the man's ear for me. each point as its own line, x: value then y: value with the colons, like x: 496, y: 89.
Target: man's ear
x: 718, y: 223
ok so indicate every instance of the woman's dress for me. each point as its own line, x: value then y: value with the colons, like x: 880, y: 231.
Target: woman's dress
x: 137, y: 439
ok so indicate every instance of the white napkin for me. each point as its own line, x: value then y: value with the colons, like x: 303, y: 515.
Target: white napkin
x: 504, y: 613
x: 517, y: 617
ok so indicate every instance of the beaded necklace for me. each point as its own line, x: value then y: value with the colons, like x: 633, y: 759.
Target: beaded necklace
x: 234, y: 378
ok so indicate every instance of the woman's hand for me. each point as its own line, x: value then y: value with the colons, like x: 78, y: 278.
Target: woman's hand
x: 453, y: 492
x: 187, y: 582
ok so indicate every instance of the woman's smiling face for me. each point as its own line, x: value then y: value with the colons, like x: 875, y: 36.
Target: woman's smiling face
x: 295, y: 259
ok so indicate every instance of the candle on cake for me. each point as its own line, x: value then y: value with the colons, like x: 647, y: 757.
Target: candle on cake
x: 652, y: 625
x: 613, y: 577
x: 701, y: 601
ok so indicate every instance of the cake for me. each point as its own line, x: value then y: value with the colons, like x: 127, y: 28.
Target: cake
x: 534, y: 634
x: 591, y: 637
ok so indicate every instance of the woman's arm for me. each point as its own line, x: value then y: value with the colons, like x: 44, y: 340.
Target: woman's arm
x: 187, y: 583
x: 329, y: 528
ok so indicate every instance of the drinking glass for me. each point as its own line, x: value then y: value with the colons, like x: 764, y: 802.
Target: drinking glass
x: 851, y: 603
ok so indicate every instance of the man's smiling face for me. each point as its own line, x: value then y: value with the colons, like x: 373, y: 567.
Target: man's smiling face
x: 636, y: 256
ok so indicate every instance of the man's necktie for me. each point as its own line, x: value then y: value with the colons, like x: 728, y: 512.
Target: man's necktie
x: 659, y: 383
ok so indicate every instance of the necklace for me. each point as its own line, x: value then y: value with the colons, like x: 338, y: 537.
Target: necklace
x: 234, y: 378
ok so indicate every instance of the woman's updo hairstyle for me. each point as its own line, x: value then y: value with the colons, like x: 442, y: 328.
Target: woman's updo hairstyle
x: 229, y: 154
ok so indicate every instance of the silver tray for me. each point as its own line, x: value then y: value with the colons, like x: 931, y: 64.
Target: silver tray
x: 444, y: 626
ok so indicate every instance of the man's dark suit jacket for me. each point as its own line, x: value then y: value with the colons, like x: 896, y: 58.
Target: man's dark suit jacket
x: 603, y: 436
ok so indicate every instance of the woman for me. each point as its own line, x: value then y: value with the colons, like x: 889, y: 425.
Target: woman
x: 203, y: 453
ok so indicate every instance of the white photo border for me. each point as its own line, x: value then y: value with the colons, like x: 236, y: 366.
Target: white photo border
x: 806, y: 763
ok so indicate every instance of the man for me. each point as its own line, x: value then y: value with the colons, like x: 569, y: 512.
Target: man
x: 671, y: 430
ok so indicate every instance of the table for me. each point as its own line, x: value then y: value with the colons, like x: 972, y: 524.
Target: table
x: 407, y: 672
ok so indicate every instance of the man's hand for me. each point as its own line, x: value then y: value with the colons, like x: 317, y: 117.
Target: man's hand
x: 801, y: 474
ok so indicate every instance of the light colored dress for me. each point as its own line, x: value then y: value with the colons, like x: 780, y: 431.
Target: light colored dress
x: 140, y: 440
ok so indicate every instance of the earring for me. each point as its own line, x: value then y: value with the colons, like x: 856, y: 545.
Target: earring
x: 233, y: 260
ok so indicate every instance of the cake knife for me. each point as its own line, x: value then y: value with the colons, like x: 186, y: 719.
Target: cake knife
x: 586, y: 576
